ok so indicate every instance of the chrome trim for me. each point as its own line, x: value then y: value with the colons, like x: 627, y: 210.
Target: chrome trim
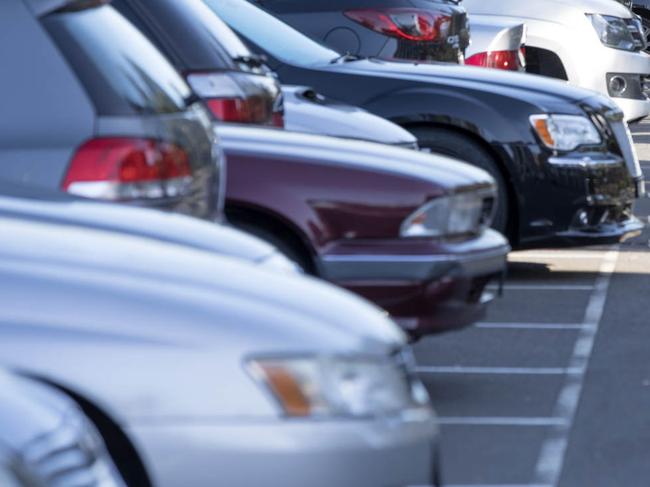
x: 585, y: 162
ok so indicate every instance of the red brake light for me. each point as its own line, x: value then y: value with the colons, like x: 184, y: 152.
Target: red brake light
x: 228, y: 101
x: 123, y: 168
x: 278, y: 120
x: 405, y: 23
x: 506, y: 60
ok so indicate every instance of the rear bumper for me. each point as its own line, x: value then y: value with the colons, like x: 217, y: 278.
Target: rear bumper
x: 392, y: 452
x: 431, y: 288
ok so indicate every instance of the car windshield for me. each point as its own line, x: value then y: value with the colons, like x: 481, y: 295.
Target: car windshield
x: 279, y: 40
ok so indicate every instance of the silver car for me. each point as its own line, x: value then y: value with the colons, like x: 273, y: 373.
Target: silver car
x: 45, y: 440
x: 214, y: 371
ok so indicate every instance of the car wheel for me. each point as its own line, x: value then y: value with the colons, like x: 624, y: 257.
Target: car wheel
x: 459, y: 146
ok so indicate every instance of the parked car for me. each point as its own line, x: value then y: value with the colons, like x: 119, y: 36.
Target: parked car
x: 235, y: 85
x: 537, y: 137
x: 595, y: 44
x: 497, y: 44
x: 101, y: 113
x: 312, y: 112
x: 423, y: 30
x: 406, y: 230
x: 59, y: 208
x: 46, y: 441
x: 212, y: 53
x: 204, y: 369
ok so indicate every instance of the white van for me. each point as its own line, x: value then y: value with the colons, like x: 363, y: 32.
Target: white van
x: 595, y: 44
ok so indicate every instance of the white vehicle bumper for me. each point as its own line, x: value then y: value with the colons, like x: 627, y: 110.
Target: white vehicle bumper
x: 387, y: 453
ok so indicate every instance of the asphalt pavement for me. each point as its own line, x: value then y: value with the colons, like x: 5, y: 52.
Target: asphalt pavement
x: 553, y: 389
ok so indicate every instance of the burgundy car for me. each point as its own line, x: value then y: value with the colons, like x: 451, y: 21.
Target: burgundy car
x: 407, y: 230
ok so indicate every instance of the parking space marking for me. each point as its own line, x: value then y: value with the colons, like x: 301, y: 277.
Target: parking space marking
x: 543, y: 287
x: 530, y: 326
x: 500, y: 421
x: 551, y: 460
x: 527, y: 256
x: 499, y: 485
x: 459, y: 369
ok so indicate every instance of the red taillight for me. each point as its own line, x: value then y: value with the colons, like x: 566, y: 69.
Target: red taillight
x: 234, y: 99
x: 507, y: 60
x: 278, y: 119
x: 405, y: 23
x: 123, y: 168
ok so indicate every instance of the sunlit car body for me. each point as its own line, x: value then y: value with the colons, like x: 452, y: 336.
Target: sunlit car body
x: 563, y: 42
x: 179, y: 356
x: 45, y: 440
x: 59, y: 208
x: 101, y: 113
x: 343, y: 211
x: 493, y: 119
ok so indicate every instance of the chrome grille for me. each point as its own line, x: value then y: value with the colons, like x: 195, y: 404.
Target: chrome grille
x: 70, y: 456
x: 626, y: 144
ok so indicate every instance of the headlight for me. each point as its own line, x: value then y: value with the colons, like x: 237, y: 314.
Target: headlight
x: 613, y: 32
x: 340, y: 386
x: 565, y: 132
x: 460, y: 214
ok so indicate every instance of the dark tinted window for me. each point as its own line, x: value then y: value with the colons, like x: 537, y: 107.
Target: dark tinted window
x: 274, y: 36
x: 121, y: 70
x: 187, y: 32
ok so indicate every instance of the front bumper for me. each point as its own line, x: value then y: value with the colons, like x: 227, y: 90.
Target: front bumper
x: 427, y: 287
x: 394, y: 452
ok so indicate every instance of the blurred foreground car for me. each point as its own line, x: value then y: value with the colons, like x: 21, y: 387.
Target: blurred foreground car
x: 45, y: 440
x: 497, y: 44
x: 114, y: 120
x: 236, y: 85
x: 200, y: 370
x: 63, y: 209
x: 406, y: 230
x: 422, y: 30
x: 595, y: 44
x: 562, y: 156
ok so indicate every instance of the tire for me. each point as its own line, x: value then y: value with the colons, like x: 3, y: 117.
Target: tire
x: 459, y: 146
x: 283, y: 245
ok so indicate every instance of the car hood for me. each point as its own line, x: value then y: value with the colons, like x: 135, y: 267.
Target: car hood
x: 443, y: 172
x: 108, y: 286
x: 545, y: 93
x: 60, y: 208
x: 550, y: 10
x: 310, y: 112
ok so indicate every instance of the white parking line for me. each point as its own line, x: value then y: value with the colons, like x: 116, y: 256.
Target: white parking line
x: 526, y: 256
x: 551, y: 460
x: 543, y: 287
x: 498, y: 485
x: 500, y: 421
x: 499, y: 370
x: 531, y: 326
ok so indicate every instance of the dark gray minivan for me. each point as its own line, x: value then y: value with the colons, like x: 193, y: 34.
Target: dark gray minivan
x: 89, y: 106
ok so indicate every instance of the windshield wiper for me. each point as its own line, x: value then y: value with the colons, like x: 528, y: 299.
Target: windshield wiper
x: 254, y: 60
x: 346, y: 58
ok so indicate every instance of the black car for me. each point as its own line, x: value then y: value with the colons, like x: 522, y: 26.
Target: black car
x: 642, y: 9
x: 424, y: 30
x: 89, y: 106
x: 562, y: 156
x: 235, y: 86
